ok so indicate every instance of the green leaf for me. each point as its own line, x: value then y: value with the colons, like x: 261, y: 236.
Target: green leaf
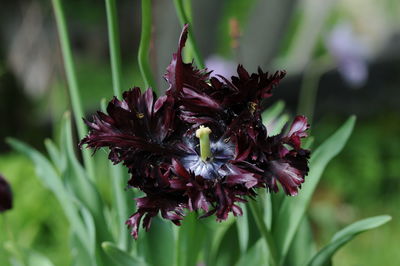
x: 266, y: 203
x: 114, y: 44
x: 265, y: 232
x: 277, y: 124
x: 184, y: 13
x: 90, y: 227
x: 303, y: 245
x: 83, y: 187
x: 255, y: 256
x: 273, y: 112
x: 120, y: 202
x: 120, y: 257
x: 293, y: 209
x: 58, y: 158
x: 274, y: 119
x: 324, y: 256
x: 191, y: 235
x: 242, y: 226
x: 277, y: 200
x: 308, y: 142
x: 144, y: 45
x: 51, y: 179
x: 73, y: 87
x: 35, y: 258
x: 218, y: 233
x: 78, y: 254
x: 160, y: 237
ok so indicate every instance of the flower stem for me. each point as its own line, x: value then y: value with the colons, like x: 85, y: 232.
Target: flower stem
x: 203, y: 134
x: 273, y: 254
x: 144, y: 46
x: 113, y: 39
x: 188, y: 53
x: 309, y: 86
x: 72, y: 81
x: 116, y: 170
x: 117, y: 182
x: 185, y: 18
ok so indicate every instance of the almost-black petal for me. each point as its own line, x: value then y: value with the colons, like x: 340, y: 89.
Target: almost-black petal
x: 155, y: 139
x: 6, y: 197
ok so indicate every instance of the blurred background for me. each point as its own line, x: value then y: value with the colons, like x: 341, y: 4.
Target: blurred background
x: 342, y: 58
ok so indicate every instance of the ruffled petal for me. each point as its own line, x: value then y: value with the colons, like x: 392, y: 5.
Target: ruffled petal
x: 155, y: 139
x: 290, y: 177
x: 297, y: 131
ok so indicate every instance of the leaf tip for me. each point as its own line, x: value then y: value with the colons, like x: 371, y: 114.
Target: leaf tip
x: 105, y: 245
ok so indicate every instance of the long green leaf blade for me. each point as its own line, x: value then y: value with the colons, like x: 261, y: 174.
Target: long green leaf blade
x: 191, y: 235
x: 218, y: 233
x: 185, y: 18
x: 303, y: 245
x: 293, y: 209
x: 324, y: 256
x: 144, y: 46
x: 52, y: 180
x: 242, y: 226
x: 120, y: 257
x: 160, y: 238
x: 72, y: 80
x: 56, y: 156
x: 255, y: 255
x: 273, y: 112
x: 36, y: 258
x: 113, y: 42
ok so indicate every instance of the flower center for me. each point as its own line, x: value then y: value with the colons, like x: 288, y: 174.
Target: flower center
x: 212, y: 157
x: 203, y: 134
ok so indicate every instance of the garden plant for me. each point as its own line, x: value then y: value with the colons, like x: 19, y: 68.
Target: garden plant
x: 203, y: 174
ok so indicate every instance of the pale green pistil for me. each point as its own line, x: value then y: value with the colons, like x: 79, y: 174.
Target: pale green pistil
x: 203, y: 134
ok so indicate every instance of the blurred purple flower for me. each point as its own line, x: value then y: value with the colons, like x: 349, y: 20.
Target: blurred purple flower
x: 6, y: 198
x: 202, y: 145
x: 349, y: 52
x: 220, y: 66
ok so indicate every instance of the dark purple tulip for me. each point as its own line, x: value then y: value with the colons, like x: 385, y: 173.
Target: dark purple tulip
x: 6, y: 198
x: 202, y: 146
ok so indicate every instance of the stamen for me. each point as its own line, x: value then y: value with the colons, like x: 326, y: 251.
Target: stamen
x: 203, y: 135
x: 252, y: 107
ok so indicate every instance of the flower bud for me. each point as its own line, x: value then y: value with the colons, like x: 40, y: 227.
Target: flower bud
x: 5, y: 195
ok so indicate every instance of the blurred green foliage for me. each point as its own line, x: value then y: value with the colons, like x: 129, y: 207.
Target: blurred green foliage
x: 94, y: 79
x: 360, y: 182
x: 36, y: 220
x: 368, y: 170
x: 363, y: 180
